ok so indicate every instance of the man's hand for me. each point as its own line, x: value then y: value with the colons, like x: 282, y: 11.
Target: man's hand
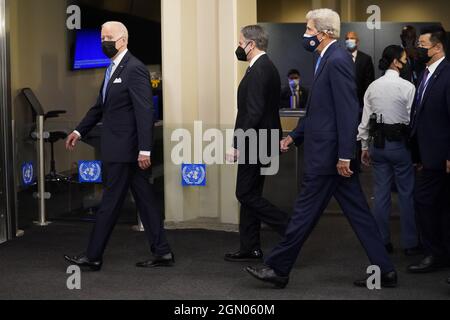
x: 72, y: 141
x: 365, y: 158
x: 343, y: 168
x: 232, y: 155
x: 286, y: 143
x: 448, y: 166
x: 145, y: 162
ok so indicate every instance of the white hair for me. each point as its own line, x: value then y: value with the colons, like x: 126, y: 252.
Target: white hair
x: 327, y: 21
x: 118, y: 26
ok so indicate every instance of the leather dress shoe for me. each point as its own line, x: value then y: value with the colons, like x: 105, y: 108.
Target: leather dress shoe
x: 167, y: 260
x: 389, y: 248
x: 267, y: 274
x: 254, y: 256
x: 427, y: 264
x: 388, y: 280
x: 411, y: 252
x: 448, y: 280
x: 84, y: 262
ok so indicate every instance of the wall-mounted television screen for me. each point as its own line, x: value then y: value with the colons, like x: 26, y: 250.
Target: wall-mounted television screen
x: 85, y: 44
x: 88, y: 50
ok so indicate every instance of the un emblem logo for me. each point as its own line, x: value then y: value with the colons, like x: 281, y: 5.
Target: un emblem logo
x: 90, y: 171
x: 194, y: 175
x: 27, y: 174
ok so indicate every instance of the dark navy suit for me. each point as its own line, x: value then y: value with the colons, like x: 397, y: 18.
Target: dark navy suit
x: 431, y: 143
x: 329, y: 132
x: 127, y: 117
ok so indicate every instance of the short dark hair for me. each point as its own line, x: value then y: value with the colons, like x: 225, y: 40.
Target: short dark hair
x: 257, y: 34
x: 438, y: 35
x: 391, y: 53
x: 292, y: 72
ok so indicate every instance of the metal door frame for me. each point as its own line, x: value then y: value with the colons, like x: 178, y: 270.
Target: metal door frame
x: 7, y: 196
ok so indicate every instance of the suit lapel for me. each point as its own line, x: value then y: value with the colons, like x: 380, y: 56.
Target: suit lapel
x: 430, y: 85
x: 323, y: 62
x: 117, y: 73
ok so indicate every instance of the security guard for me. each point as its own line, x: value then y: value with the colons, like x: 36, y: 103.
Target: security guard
x: 384, y: 133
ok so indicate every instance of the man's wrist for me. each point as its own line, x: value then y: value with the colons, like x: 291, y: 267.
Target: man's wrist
x: 145, y: 153
x: 77, y: 133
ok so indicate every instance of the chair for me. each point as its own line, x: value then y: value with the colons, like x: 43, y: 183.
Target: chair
x: 54, y: 136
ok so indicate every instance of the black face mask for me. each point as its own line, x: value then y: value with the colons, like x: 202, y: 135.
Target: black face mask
x: 422, y: 55
x: 109, y: 48
x: 240, y: 53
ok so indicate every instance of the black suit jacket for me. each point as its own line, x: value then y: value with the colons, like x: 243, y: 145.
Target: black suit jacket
x: 259, y: 99
x: 127, y: 114
x: 286, y: 94
x: 431, y: 121
x: 365, y: 75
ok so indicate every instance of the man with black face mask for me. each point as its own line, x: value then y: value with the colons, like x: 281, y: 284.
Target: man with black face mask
x: 430, y: 118
x: 125, y: 107
x: 258, y: 109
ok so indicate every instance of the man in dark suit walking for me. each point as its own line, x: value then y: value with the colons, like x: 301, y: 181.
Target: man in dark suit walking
x: 125, y: 107
x: 258, y: 110
x: 329, y: 132
x: 430, y: 121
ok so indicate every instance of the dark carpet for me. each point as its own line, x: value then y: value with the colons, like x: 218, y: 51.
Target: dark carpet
x: 33, y: 267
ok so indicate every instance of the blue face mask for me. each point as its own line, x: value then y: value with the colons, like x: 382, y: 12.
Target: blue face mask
x: 311, y: 43
x: 350, y: 44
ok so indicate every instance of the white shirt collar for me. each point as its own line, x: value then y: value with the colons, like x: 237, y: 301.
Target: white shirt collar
x: 326, y: 48
x: 256, y: 58
x: 119, y: 58
x: 435, y: 65
x: 392, y: 73
x: 355, y: 54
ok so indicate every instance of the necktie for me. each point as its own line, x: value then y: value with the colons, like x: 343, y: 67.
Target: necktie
x: 107, y: 78
x: 420, y: 92
x: 318, y: 64
x: 423, y: 86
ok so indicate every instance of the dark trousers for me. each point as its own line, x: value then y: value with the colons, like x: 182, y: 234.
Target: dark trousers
x: 120, y: 177
x: 433, y: 216
x: 312, y: 201
x: 255, y: 209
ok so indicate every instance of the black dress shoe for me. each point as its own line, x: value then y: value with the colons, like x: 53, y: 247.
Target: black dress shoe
x: 388, y: 280
x: 159, y: 261
x: 254, y: 256
x: 84, y: 262
x: 411, y: 252
x: 389, y: 248
x: 426, y: 265
x: 267, y: 274
x: 448, y: 280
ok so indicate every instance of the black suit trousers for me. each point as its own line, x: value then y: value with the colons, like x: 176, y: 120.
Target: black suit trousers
x: 120, y: 177
x: 255, y: 209
x: 433, y: 215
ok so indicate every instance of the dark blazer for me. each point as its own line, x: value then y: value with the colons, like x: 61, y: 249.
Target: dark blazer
x: 331, y: 124
x: 127, y: 114
x: 259, y: 98
x: 431, y: 121
x: 365, y: 75
x: 286, y: 94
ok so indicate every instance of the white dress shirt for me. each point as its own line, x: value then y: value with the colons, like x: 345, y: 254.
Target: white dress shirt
x: 252, y: 62
x: 116, y: 63
x: 354, y: 55
x: 390, y: 96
